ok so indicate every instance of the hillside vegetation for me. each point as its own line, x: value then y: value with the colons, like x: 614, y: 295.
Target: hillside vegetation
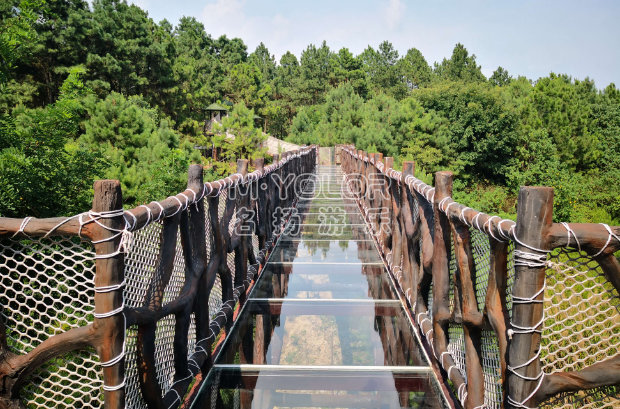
x: 106, y: 92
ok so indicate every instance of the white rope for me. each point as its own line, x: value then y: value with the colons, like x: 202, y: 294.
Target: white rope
x: 489, y: 220
x: 462, y: 393
x: 451, y: 368
x: 180, y: 204
x: 161, y: 211
x: 611, y: 234
x: 529, y: 259
x: 514, y: 235
x: 570, y: 231
x: 134, y: 219
x: 501, y: 231
x: 442, y: 202
x: 522, y: 403
x: 109, y: 288
x: 115, y: 387
x: 22, y: 226
x: 448, y: 208
x: 476, y: 221
x: 149, y: 215
x: 462, y: 215
x: 121, y: 355
x: 110, y: 313
x: 61, y: 223
x: 527, y: 300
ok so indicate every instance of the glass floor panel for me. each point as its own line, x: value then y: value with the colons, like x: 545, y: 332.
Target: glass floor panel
x: 326, y: 251
x: 331, y: 232
x: 269, y: 388
x: 306, y: 281
x: 323, y: 326
x: 322, y: 332
x: 333, y: 217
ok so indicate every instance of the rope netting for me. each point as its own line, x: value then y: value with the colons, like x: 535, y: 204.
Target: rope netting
x: 46, y: 288
x: 582, y: 324
x: 140, y: 265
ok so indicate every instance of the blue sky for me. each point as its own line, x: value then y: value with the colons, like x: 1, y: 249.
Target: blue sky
x: 531, y: 38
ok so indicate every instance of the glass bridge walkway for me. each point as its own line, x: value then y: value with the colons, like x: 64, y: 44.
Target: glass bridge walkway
x: 322, y: 327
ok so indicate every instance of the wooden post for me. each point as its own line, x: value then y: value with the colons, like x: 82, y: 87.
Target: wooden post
x: 534, y: 220
x: 110, y: 272
x: 472, y: 318
x: 441, y: 264
x: 387, y: 232
x: 495, y: 303
x: 409, y: 245
x: 261, y: 206
x: 241, y: 252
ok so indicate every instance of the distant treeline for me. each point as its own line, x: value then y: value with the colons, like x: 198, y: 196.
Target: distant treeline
x: 106, y: 92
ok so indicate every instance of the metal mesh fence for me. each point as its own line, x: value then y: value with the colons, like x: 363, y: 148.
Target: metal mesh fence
x: 582, y: 324
x: 491, y: 370
x: 46, y: 288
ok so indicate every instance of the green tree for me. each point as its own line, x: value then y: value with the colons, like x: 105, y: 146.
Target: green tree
x: 16, y: 36
x: 197, y: 75
x: 481, y: 128
x: 566, y: 113
x: 136, y: 142
x: 348, y: 68
x: 460, y: 67
x: 238, y: 138
x: 315, y: 72
x: 244, y: 83
x: 265, y: 62
x: 414, y: 69
x: 382, y: 70
x: 43, y: 172
x: 500, y: 77
x: 128, y: 52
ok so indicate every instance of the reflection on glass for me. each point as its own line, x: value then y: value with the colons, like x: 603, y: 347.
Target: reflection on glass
x: 267, y: 388
x: 351, y: 281
x: 300, y: 332
x: 326, y: 251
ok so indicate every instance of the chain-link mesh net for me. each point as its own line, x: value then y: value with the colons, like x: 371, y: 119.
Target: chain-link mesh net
x: 582, y: 324
x: 46, y: 288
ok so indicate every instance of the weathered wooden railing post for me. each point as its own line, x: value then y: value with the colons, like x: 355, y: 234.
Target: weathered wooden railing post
x: 377, y: 195
x: 408, y: 243
x: 109, y: 321
x: 441, y: 264
x: 276, y: 184
x: 386, y: 219
x: 466, y: 305
x: 495, y: 303
x: 241, y: 250
x: 534, y: 220
x: 261, y: 206
x: 198, y: 218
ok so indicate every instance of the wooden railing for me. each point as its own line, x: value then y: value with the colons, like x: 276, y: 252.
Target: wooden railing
x: 476, y: 287
x: 120, y: 300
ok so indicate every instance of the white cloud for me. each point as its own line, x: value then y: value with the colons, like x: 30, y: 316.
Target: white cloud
x: 394, y: 13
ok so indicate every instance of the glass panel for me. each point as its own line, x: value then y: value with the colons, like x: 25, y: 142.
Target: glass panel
x: 325, y: 281
x: 332, y: 217
x: 331, y: 232
x: 328, y: 332
x: 326, y: 251
x: 266, y: 388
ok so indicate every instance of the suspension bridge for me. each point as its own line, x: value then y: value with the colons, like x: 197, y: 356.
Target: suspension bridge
x: 320, y: 280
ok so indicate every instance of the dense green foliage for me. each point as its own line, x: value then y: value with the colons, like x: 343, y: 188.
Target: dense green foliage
x: 104, y: 91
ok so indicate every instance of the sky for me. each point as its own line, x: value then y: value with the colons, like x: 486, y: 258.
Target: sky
x: 531, y: 38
